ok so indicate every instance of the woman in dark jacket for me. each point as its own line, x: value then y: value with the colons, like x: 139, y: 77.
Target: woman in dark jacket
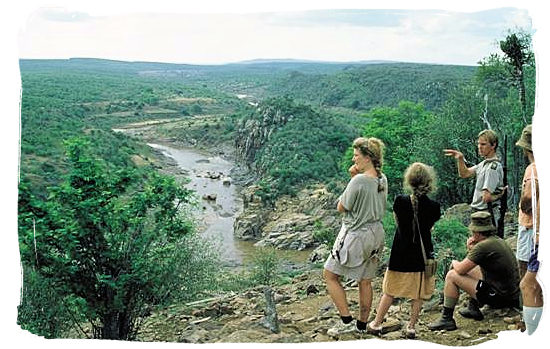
x: 405, y: 276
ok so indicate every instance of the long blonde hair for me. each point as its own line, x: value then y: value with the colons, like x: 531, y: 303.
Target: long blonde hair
x: 419, y: 179
x: 374, y: 149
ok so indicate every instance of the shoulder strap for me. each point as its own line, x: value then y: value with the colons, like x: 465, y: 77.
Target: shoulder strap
x: 417, y: 226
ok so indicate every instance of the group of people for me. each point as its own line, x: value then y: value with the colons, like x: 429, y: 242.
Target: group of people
x: 490, y: 274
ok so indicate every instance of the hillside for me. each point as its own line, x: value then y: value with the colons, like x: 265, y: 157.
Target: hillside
x: 354, y: 85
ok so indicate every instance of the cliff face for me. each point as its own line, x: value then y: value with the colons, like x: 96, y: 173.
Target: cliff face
x: 254, y: 132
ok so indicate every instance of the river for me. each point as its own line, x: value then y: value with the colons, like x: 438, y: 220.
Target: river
x: 216, y: 217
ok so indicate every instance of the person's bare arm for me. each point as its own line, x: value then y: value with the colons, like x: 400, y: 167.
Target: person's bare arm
x: 340, y: 207
x: 463, y: 170
x: 463, y: 267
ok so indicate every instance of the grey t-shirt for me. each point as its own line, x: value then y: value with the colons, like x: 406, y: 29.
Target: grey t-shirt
x: 489, y: 175
x: 363, y: 202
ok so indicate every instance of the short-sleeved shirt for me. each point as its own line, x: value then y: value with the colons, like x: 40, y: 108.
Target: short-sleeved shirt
x: 525, y: 219
x: 406, y: 252
x: 498, y: 265
x: 363, y: 202
x: 489, y: 176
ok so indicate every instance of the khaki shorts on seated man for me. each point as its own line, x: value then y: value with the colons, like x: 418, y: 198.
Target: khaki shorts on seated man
x: 488, y: 274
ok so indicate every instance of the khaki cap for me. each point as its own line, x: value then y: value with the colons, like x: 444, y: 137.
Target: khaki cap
x: 525, y: 139
x: 481, y: 222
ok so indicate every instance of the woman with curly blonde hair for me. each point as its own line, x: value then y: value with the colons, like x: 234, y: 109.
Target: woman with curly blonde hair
x: 415, y: 215
x: 356, y: 251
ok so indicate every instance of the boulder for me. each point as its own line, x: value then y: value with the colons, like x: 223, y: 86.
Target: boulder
x: 320, y: 254
x: 210, y: 197
x: 461, y: 212
x: 226, y: 181
x: 248, y: 226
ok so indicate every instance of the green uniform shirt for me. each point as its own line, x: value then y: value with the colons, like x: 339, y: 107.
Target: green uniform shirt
x: 498, y: 265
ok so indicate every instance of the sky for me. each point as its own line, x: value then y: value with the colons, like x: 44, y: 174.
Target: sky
x: 216, y: 32
x: 425, y: 36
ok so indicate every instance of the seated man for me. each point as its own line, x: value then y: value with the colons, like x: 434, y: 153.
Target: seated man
x: 488, y: 273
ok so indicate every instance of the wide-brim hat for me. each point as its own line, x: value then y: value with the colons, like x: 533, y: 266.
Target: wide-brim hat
x: 525, y: 139
x: 481, y: 222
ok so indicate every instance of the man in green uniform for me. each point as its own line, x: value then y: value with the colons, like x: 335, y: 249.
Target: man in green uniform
x: 488, y: 274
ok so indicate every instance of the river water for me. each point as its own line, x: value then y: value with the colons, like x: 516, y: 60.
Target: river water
x: 216, y: 217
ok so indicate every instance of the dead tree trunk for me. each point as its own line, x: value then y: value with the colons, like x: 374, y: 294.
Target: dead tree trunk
x: 271, y: 320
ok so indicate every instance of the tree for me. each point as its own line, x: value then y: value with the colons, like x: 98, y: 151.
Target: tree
x: 117, y: 240
x: 517, y: 48
x: 401, y: 130
x: 509, y: 83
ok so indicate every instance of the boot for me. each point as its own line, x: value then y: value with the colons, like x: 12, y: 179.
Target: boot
x: 472, y: 311
x: 446, y: 322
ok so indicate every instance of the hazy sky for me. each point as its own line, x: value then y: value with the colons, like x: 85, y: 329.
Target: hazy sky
x: 163, y: 35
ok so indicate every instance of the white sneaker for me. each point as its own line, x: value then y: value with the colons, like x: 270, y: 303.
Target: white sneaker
x: 341, y: 328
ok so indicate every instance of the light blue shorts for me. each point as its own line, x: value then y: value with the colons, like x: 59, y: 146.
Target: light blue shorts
x: 525, y: 244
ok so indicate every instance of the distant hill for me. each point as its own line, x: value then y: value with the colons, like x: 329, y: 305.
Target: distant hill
x: 357, y: 85
x: 306, y: 61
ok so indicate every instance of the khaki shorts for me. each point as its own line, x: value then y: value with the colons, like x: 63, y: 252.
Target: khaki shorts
x: 356, y: 254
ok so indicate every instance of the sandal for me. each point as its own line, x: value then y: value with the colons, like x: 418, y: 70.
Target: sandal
x: 377, y: 331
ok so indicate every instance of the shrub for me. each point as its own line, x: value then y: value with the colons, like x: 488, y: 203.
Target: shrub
x: 449, y: 237
x: 323, y: 234
x: 265, y: 266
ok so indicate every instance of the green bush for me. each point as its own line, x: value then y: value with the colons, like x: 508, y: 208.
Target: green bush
x: 449, y: 237
x: 323, y: 234
x: 265, y: 266
x: 119, y: 239
x: 42, y: 310
x: 450, y: 234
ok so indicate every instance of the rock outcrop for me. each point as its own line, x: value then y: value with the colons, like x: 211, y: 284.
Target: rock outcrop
x: 291, y: 222
x: 255, y: 132
x: 305, y: 313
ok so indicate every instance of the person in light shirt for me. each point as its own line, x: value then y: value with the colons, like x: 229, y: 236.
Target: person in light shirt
x: 356, y: 251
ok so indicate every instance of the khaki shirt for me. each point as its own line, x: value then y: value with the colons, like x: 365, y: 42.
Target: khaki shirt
x: 363, y: 202
x: 489, y: 176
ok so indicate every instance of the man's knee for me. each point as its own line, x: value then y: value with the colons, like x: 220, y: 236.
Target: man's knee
x: 451, y: 276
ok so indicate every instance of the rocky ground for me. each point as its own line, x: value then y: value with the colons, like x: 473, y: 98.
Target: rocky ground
x: 305, y: 313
